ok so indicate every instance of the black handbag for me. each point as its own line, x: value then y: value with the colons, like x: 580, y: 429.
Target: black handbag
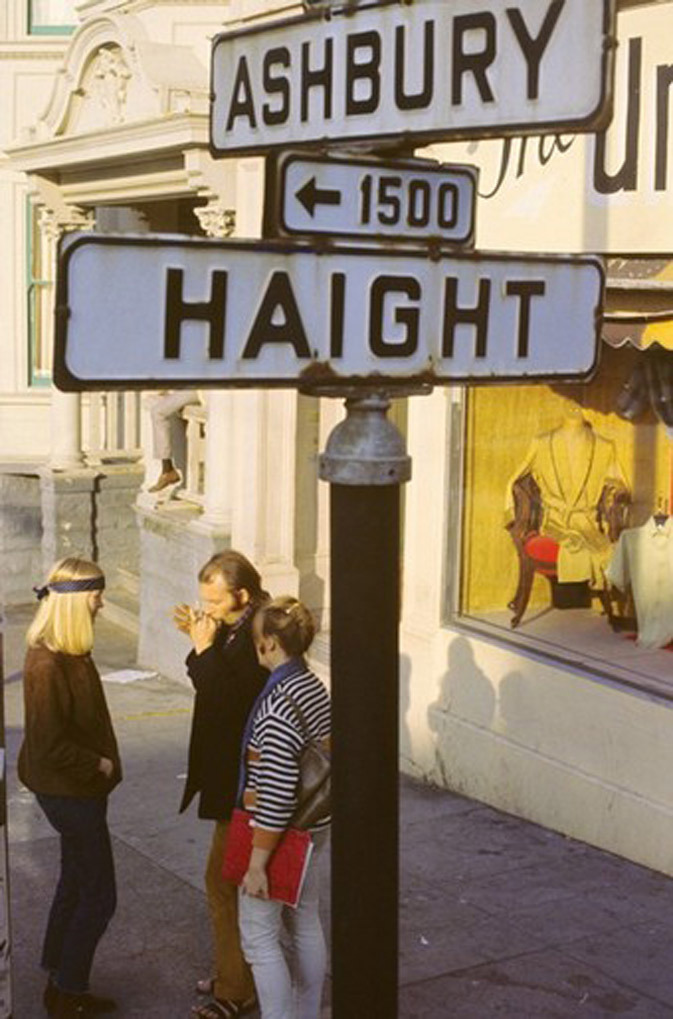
x: 315, y: 766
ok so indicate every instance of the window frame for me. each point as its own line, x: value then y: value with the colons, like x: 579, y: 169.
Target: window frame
x: 39, y: 29
x: 36, y: 379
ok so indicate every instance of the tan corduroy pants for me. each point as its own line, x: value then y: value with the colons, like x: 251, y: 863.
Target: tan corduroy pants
x: 233, y: 976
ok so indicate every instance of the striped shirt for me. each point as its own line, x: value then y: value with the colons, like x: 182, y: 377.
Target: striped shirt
x: 276, y: 742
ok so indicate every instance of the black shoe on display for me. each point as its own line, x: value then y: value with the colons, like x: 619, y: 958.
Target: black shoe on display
x: 634, y: 396
x: 660, y: 383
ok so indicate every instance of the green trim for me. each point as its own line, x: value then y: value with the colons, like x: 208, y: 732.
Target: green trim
x: 51, y: 29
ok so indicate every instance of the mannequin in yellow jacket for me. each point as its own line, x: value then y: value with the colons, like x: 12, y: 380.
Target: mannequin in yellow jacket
x: 571, y: 465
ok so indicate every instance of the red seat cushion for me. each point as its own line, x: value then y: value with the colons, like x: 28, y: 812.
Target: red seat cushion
x: 544, y: 553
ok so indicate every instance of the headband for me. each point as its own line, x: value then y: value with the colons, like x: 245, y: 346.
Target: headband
x: 68, y: 586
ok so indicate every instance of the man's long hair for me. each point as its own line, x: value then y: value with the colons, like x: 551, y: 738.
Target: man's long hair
x: 237, y: 572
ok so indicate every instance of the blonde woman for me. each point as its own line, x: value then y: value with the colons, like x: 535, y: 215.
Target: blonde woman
x: 69, y: 759
x: 293, y: 707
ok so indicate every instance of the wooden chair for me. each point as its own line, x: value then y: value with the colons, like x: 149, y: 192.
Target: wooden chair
x: 539, y: 554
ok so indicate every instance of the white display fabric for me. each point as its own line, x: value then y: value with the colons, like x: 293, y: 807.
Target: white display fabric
x: 643, y: 559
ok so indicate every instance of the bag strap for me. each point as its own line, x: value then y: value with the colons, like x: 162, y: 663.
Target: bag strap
x: 301, y: 717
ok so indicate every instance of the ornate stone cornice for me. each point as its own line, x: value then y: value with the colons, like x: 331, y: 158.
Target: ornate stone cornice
x: 56, y: 216
x: 216, y: 220
x: 109, y: 82
x: 112, y: 74
x: 170, y: 134
x: 53, y: 225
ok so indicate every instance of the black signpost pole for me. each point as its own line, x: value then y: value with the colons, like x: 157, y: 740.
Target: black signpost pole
x: 365, y: 462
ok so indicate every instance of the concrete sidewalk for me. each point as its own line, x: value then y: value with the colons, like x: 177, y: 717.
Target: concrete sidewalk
x: 497, y: 917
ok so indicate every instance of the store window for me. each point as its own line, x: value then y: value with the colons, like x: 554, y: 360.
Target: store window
x: 40, y: 300
x: 567, y: 537
x: 51, y: 17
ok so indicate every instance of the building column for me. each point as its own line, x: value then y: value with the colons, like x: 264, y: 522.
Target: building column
x: 66, y: 431
x: 57, y: 218
x: 426, y: 503
x: 249, y: 196
x: 217, y: 495
x: 312, y: 579
x: 217, y: 219
x: 263, y: 484
x: 264, y: 453
x: 430, y: 560
x: 332, y: 411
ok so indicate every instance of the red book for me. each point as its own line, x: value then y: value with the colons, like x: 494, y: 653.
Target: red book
x: 286, y: 869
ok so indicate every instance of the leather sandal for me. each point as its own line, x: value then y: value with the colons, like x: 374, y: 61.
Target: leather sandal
x: 217, y: 1008
x: 165, y: 479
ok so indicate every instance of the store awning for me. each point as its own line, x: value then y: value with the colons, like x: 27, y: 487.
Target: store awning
x: 639, y: 303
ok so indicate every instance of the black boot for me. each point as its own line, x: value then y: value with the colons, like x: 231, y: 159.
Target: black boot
x: 97, y: 1004
x: 80, y: 1006
x: 69, y: 1006
x: 50, y: 996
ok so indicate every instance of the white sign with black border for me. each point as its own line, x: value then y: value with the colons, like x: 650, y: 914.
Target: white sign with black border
x: 411, y: 201
x: 183, y: 311
x: 425, y: 70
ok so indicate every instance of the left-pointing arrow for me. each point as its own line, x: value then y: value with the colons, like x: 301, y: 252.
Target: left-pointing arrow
x: 311, y: 195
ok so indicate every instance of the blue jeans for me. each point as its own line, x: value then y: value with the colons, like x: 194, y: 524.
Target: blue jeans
x: 86, y: 896
x: 284, y: 992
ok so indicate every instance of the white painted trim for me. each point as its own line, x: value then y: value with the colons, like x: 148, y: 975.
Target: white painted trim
x: 29, y: 398
x: 174, y: 132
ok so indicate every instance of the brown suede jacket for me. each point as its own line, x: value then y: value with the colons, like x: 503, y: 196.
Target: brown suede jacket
x: 67, y: 728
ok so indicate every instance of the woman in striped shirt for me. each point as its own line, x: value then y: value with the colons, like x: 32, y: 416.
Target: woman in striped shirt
x: 293, y: 707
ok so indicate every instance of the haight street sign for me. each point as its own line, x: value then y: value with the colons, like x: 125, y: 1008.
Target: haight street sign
x: 412, y: 72
x: 157, y: 311
x: 409, y: 200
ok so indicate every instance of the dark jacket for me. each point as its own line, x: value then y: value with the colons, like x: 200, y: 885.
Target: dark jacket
x: 227, y: 678
x: 67, y: 727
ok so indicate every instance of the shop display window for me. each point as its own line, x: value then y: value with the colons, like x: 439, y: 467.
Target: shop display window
x: 567, y: 533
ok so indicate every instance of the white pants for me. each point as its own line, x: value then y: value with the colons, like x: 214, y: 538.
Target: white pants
x: 163, y: 408
x: 286, y: 992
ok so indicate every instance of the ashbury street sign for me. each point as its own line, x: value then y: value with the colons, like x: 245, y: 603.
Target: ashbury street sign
x: 429, y: 69
x: 179, y: 311
x: 412, y: 200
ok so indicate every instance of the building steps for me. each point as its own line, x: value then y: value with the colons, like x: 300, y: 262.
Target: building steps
x: 122, y: 607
